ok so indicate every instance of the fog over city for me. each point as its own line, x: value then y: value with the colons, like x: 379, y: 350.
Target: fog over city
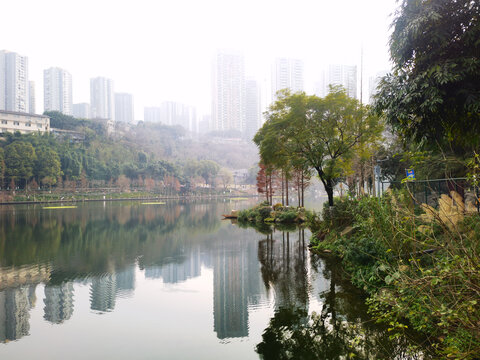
x: 163, y: 50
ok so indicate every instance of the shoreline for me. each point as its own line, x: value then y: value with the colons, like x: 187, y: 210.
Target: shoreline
x: 178, y: 197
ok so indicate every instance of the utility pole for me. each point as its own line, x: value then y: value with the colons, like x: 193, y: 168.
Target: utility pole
x: 361, y: 75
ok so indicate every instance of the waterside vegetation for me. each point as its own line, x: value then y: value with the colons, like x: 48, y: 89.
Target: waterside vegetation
x: 276, y: 214
x: 419, y: 263
x: 420, y: 268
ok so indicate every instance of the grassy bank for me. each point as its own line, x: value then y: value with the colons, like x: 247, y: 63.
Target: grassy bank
x: 421, y: 268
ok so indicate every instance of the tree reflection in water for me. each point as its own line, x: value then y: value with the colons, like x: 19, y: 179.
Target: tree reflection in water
x: 341, y: 330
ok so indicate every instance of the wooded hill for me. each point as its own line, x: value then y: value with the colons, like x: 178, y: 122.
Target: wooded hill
x: 87, y: 151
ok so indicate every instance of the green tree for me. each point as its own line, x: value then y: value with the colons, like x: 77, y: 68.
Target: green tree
x: 433, y: 93
x: 2, y: 167
x: 319, y: 133
x: 47, y: 166
x: 208, y: 170
x: 20, y: 160
x: 71, y: 162
x: 226, y: 177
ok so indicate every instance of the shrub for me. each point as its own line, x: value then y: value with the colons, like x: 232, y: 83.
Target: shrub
x: 289, y: 216
x: 422, y: 271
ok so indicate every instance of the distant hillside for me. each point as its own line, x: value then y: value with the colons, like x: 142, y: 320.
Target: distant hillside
x: 96, y: 152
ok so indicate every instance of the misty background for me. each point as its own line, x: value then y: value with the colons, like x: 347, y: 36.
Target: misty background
x: 163, y: 50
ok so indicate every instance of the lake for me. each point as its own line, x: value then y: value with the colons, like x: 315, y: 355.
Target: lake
x: 128, y: 280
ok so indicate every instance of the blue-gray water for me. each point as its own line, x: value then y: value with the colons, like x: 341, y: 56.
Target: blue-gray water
x: 126, y: 280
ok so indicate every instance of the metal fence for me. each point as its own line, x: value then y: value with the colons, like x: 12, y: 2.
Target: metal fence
x: 430, y: 191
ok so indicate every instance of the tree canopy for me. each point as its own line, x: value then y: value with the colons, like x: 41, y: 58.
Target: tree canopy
x: 433, y: 93
x: 20, y: 160
x: 316, y: 133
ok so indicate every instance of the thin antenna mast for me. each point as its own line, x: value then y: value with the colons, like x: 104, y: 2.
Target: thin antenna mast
x: 361, y: 75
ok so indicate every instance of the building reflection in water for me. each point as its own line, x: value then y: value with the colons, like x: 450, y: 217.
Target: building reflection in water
x: 58, y: 302
x: 15, y: 306
x: 107, y: 287
x: 125, y: 281
x: 103, y: 293
x: 236, y: 282
x: 17, y: 298
x: 177, y: 269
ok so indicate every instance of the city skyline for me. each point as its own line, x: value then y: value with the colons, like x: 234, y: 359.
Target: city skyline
x: 320, y: 34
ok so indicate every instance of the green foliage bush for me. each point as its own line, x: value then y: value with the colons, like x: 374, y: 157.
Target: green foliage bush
x: 288, y: 216
x: 419, y: 274
x: 264, y: 212
x: 341, y: 215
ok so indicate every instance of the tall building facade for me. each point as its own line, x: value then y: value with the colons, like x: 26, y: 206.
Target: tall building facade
x: 57, y: 90
x: 152, y: 114
x: 102, y: 101
x: 228, y: 92
x: 124, y: 111
x: 287, y: 74
x: 32, y: 103
x: 14, y: 86
x: 173, y: 113
x: 373, y: 83
x: 252, y: 110
x: 81, y: 111
x: 344, y: 75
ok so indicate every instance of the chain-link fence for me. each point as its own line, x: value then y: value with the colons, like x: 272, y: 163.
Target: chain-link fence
x: 430, y: 191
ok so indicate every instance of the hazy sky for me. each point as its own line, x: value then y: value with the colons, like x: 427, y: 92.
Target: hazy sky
x: 162, y: 50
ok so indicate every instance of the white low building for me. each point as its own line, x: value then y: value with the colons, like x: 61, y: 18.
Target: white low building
x: 23, y: 122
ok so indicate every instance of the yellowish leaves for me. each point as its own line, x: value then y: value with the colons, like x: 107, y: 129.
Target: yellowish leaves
x: 451, y: 210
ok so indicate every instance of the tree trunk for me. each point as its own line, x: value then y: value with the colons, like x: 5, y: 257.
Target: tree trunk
x: 329, y: 190
x: 286, y: 189
x: 271, y: 190
x: 299, y: 193
x: 327, y: 184
x: 303, y: 191
x: 283, y: 192
x: 266, y: 188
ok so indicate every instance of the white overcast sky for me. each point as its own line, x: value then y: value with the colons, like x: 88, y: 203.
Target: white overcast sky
x: 162, y: 50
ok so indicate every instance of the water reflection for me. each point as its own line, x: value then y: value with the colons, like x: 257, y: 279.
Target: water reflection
x: 319, y: 314
x: 15, y: 305
x: 284, y: 268
x: 58, y: 302
x: 111, y: 249
x: 236, y: 282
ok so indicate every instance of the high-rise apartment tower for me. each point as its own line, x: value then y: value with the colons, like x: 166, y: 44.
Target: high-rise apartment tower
x: 287, y: 74
x: 102, y: 101
x: 57, y: 90
x: 14, y: 87
x: 228, y: 92
x: 124, y: 108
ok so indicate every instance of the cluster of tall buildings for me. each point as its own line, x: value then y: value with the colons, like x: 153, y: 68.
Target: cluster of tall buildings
x: 236, y: 98
x: 17, y: 93
x: 343, y: 75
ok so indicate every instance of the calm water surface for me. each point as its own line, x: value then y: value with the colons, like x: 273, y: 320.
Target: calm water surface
x: 124, y: 280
